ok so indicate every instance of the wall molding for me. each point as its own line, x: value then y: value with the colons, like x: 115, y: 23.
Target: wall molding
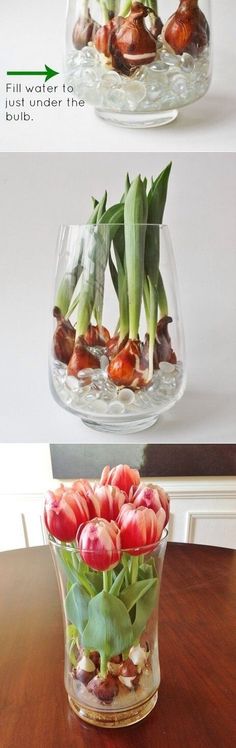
x: 191, y: 516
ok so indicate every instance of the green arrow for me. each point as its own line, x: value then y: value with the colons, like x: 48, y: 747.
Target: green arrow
x: 48, y: 72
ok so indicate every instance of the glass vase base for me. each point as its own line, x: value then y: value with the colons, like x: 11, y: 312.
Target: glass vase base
x: 114, y: 719
x: 122, y: 428
x: 138, y: 120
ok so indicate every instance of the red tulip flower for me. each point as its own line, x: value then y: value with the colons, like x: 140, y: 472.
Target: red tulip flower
x: 99, y: 544
x: 121, y: 476
x: 140, y: 528
x: 84, y: 488
x: 111, y: 499
x: 63, y: 514
x: 151, y: 496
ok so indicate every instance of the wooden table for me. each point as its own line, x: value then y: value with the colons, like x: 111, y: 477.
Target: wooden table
x: 196, y: 707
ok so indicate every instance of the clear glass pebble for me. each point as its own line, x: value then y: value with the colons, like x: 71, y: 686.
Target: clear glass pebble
x: 178, y: 84
x: 135, y: 92
x: 104, y: 361
x: 170, y: 59
x: 89, y: 54
x: 72, y: 383
x: 85, y: 373
x: 154, y: 92
x: 187, y: 62
x: 160, y: 66
x: 167, y: 368
x: 111, y: 78
x: 115, y: 98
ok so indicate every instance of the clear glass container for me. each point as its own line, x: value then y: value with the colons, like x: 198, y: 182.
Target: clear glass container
x: 112, y: 670
x: 138, y: 63
x: 114, y: 386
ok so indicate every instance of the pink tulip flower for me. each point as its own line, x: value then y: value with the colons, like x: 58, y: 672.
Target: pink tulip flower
x: 99, y: 544
x: 111, y: 499
x: 140, y: 528
x: 62, y: 517
x: 121, y: 476
x: 84, y: 488
x: 152, y: 496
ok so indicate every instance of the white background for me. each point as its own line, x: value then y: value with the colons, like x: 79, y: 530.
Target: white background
x: 32, y: 33
x: 38, y: 192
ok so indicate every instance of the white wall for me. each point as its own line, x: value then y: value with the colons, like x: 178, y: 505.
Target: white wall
x: 38, y: 192
x: 203, y: 510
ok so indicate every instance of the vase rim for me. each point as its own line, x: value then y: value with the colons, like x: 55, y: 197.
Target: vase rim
x: 106, y: 225
x: 142, y: 550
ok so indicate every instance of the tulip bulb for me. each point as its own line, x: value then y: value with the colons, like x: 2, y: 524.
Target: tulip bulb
x: 187, y: 30
x: 129, y: 367
x: 63, y: 338
x: 105, y: 689
x: 163, y: 350
x: 84, y: 30
x: 97, y: 336
x: 104, y: 34
x: 133, y: 43
x: 82, y: 358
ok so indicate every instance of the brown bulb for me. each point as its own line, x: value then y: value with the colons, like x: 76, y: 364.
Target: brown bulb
x: 104, y: 34
x: 187, y: 30
x: 63, y: 338
x: 115, y: 345
x: 133, y: 42
x: 129, y: 367
x: 82, y: 358
x: 97, y: 335
x: 104, y: 688
x: 84, y: 31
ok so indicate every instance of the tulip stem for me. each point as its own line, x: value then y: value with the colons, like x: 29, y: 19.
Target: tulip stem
x: 134, y: 569
x: 103, y: 662
x: 106, y: 580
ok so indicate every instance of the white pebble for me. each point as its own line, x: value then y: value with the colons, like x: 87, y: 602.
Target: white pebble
x: 100, y: 406
x: 116, y: 408
x: 126, y: 396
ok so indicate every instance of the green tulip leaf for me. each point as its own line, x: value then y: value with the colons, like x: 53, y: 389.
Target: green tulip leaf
x: 109, y: 628
x: 76, y: 605
x: 96, y: 580
x: 145, y: 571
x: 135, y: 592
x: 65, y: 559
x: 117, y: 584
x: 144, y: 608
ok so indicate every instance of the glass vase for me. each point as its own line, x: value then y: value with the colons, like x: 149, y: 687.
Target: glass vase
x: 138, y: 63
x: 112, y: 381
x: 112, y: 670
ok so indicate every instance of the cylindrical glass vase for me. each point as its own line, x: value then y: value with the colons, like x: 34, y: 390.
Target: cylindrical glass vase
x: 138, y: 63
x: 112, y: 670
x: 114, y: 379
